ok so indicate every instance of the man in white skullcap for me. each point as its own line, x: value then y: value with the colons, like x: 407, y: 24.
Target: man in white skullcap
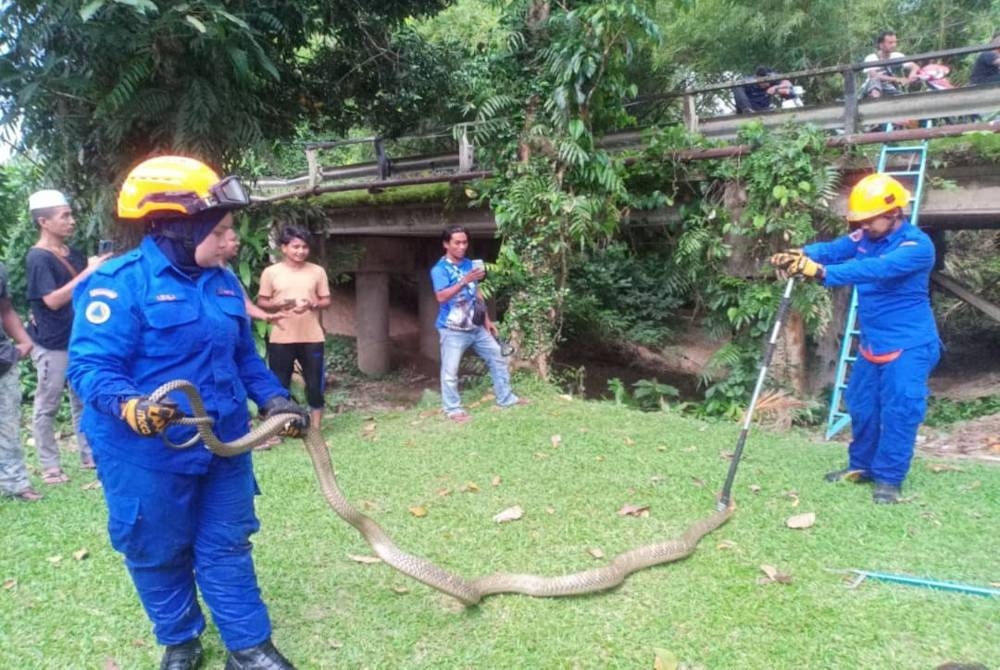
x: 54, y: 270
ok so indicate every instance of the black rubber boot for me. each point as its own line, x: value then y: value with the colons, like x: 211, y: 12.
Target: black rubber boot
x: 886, y: 494
x: 184, y: 656
x: 263, y: 656
x: 847, y: 475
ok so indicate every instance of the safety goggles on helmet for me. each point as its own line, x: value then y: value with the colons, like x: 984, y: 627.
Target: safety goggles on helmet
x: 225, y: 194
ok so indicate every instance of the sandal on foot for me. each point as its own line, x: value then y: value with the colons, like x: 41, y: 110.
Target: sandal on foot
x: 54, y: 476
x: 28, y: 495
x: 460, y: 417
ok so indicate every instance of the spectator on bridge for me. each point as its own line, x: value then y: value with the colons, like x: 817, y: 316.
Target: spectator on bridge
x: 54, y: 270
x: 14, y: 482
x: 889, y: 261
x: 887, y: 79
x: 302, y: 290
x: 463, y: 322
x: 986, y: 69
x: 759, y: 96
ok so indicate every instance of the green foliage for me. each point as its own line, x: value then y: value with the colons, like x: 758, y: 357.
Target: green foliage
x: 944, y: 411
x: 341, y: 355
x: 651, y: 395
x: 560, y: 85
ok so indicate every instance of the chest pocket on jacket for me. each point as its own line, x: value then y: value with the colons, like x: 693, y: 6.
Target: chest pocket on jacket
x: 170, y: 329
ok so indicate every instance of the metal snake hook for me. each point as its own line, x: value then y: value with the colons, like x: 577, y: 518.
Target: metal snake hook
x: 779, y: 320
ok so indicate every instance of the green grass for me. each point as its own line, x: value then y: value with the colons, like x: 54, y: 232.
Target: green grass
x: 709, y: 611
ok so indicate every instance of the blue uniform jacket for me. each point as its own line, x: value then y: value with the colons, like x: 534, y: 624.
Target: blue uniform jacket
x: 140, y: 322
x: 892, y: 276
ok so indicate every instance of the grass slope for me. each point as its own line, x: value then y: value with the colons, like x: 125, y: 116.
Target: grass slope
x: 709, y: 611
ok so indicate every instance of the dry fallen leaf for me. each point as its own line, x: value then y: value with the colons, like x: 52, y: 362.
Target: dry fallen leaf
x: 418, y: 511
x: 726, y: 455
x: 369, y: 505
x: 994, y: 448
x: 139, y: 643
x: 470, y: 487
x: 773, y: 575
x: 794, y: 496
x: 754, y: 488
x: 550, y: 510
x: 54, y: 559
x: 8, y: 584
x: 726, y: 544
x: 943, y: 467
x: 358, y: 558
x: 81, y: 554
x: 111, y: 664
x: 661, y: 448
x: 697, y: 481
x: 510, y: 514
x: 634, y: 510
x: 400, y: 590
x: 595, y: 552
x: 599, y: 459
x: 91, y: 486
x: 335, y: 644
x: 496, y: 480
x: 556, y: 440
x: 540, y: 456
x: 664, y: 660
x: 444, y: 492
x: 800, y: 521
x: 566, y: 397
x: 629, y: 441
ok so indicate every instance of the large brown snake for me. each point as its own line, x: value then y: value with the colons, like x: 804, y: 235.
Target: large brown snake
x: 469, y: 592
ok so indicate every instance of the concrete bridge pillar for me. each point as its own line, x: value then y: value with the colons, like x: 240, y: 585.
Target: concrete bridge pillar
x: 372, y: 292
x: 427, y: 311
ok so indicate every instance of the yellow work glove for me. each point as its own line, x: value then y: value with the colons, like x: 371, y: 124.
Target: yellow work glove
x: 785, y: 259
x: 298, y: 416
x: 148, y: 418
x: 806, y: 267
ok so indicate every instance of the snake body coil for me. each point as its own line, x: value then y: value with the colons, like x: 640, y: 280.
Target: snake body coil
x: 469, y: 592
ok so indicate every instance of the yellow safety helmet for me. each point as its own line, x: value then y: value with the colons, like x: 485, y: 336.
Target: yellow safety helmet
x: 874, y: 195
x: 175, y: 186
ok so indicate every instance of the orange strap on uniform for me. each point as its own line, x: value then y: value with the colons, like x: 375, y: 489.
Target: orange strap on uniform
x: 879, y: 359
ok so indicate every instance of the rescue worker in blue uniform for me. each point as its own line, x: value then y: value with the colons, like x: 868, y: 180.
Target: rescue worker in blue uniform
x: 166, y: 311
x: 889, y: 261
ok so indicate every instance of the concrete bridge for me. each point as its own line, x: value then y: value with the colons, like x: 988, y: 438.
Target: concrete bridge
x: 401, y: 241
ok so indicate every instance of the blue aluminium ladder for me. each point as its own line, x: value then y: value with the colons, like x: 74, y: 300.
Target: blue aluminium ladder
x: 838, y: 418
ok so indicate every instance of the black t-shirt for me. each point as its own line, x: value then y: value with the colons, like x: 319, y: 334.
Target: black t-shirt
x: 46, y: 273
x: 985, y: 71
x: 759, y: 99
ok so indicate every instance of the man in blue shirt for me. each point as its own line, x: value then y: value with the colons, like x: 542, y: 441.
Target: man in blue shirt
x: 462, y: 322
x: 889, y: 261
x: 166, y: 311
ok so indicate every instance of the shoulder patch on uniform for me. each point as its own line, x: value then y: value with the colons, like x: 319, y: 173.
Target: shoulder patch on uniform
x: 909, y: 243
x: 225, y: 291
x: 110, y: 267
x: 165, y: 297
x: 856, y: 235
x: 97, y: 312
x: 103, y: 293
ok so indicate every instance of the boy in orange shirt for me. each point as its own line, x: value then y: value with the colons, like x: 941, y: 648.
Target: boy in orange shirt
x: 299, y: 289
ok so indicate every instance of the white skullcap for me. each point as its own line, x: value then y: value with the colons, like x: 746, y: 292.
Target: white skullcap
x: 46, y: 198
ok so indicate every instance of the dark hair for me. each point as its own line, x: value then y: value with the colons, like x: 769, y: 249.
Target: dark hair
x: 996, y: 35
x: 289, y: 233
x: 451, y: 230
x: 43, y: 213
x: 882, y: 35
x: 763, y: 71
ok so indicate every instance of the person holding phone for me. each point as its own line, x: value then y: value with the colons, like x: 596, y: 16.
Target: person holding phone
x: 54, y: 270
x: 463, y: 322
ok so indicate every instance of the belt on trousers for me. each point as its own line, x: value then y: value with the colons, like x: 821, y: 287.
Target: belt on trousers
x: 879, y: 359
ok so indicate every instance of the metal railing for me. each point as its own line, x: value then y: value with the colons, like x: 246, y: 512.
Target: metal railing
x: 845, y: 116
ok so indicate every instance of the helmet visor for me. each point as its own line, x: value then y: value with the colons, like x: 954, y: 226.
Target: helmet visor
x: 228, y: 193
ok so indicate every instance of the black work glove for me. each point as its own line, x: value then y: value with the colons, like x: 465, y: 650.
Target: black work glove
x: 147, y: 417
x: 296, y: 426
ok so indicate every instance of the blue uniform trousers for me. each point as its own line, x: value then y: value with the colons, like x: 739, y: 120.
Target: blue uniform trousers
x: 887, y: 402
x: 177, y: 530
